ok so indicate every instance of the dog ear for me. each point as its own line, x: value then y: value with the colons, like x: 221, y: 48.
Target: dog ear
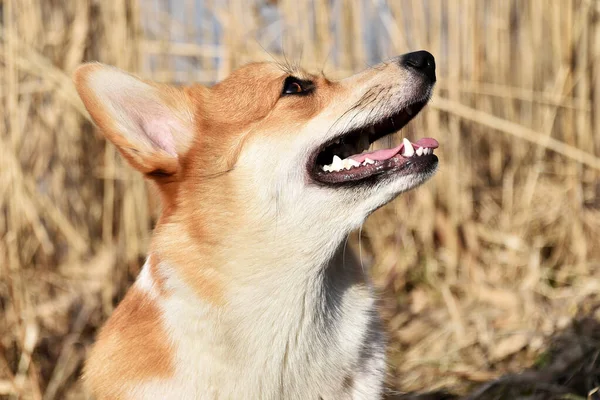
x: 151, y: 124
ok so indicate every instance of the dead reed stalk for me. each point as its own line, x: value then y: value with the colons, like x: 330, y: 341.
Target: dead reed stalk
x: 482, y: 270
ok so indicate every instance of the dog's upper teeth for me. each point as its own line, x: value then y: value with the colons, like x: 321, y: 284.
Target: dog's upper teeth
x: 408, y: 150
x: 419, y: 151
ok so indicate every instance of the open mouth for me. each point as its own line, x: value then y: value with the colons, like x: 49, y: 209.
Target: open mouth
x: 345, y: 159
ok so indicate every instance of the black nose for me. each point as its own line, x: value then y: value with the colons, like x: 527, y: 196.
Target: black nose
x: 420, y: 61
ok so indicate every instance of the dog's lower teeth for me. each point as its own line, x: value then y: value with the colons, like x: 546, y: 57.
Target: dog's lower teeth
x: 368, y: 161
x: 338, y: 164
x: 349, y: 163
x: 343, y: 161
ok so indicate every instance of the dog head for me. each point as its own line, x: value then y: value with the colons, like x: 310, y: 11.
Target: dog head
x: 269, y: 144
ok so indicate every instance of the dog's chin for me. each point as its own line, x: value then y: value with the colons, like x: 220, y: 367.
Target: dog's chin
x: 390, y: 188
x: 354, y: 204
x: 413, y: 174
x: 408, y: 182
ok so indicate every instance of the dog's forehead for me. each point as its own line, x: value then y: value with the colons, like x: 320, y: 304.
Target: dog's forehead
x: 248, y: 94
x: 263, y: 73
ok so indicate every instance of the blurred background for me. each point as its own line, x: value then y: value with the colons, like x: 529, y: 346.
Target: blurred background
x: 489, y: 274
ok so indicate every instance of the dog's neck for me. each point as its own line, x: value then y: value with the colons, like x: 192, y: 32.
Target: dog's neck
x: 269, y: 290
x: 309, y: 306
x: 260, y: 277
x: 261, y: 261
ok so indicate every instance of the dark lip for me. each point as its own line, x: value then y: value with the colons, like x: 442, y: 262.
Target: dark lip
x: 375, y: 172
x: 372, y: 173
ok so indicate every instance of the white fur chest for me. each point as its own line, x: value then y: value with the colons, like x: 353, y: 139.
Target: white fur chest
x: 282, y: 342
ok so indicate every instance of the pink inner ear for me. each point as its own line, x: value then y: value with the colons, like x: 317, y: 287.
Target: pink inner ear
x: 160, y: 132
x: 150, y: 121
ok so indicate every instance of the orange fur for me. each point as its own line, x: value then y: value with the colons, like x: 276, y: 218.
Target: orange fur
x: 135, y: 329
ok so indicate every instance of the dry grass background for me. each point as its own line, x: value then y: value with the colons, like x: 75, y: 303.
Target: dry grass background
x: 490, y: 274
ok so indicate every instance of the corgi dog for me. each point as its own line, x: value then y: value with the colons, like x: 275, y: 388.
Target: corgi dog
x: 247, y: 292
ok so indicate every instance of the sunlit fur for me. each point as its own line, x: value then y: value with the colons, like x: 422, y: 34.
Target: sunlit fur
x: 245, y: 293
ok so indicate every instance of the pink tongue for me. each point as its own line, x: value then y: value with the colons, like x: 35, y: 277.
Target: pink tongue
x: 380, y: 155
x: 430, y: 143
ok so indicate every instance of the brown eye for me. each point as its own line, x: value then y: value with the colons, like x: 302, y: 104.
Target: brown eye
x: 296, y: 86
x: 293, y: 87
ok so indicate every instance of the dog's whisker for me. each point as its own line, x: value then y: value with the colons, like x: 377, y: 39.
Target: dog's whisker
x: 344, y: 251
x: 360, y: 256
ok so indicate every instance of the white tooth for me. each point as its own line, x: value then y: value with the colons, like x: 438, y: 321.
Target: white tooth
x: 353, y: 163
x: 408, y: 150
x: 369, y: 161
x: 427, y: 151
x: 337, y: 162
x: 419, y: 151
x: 325, y: 168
